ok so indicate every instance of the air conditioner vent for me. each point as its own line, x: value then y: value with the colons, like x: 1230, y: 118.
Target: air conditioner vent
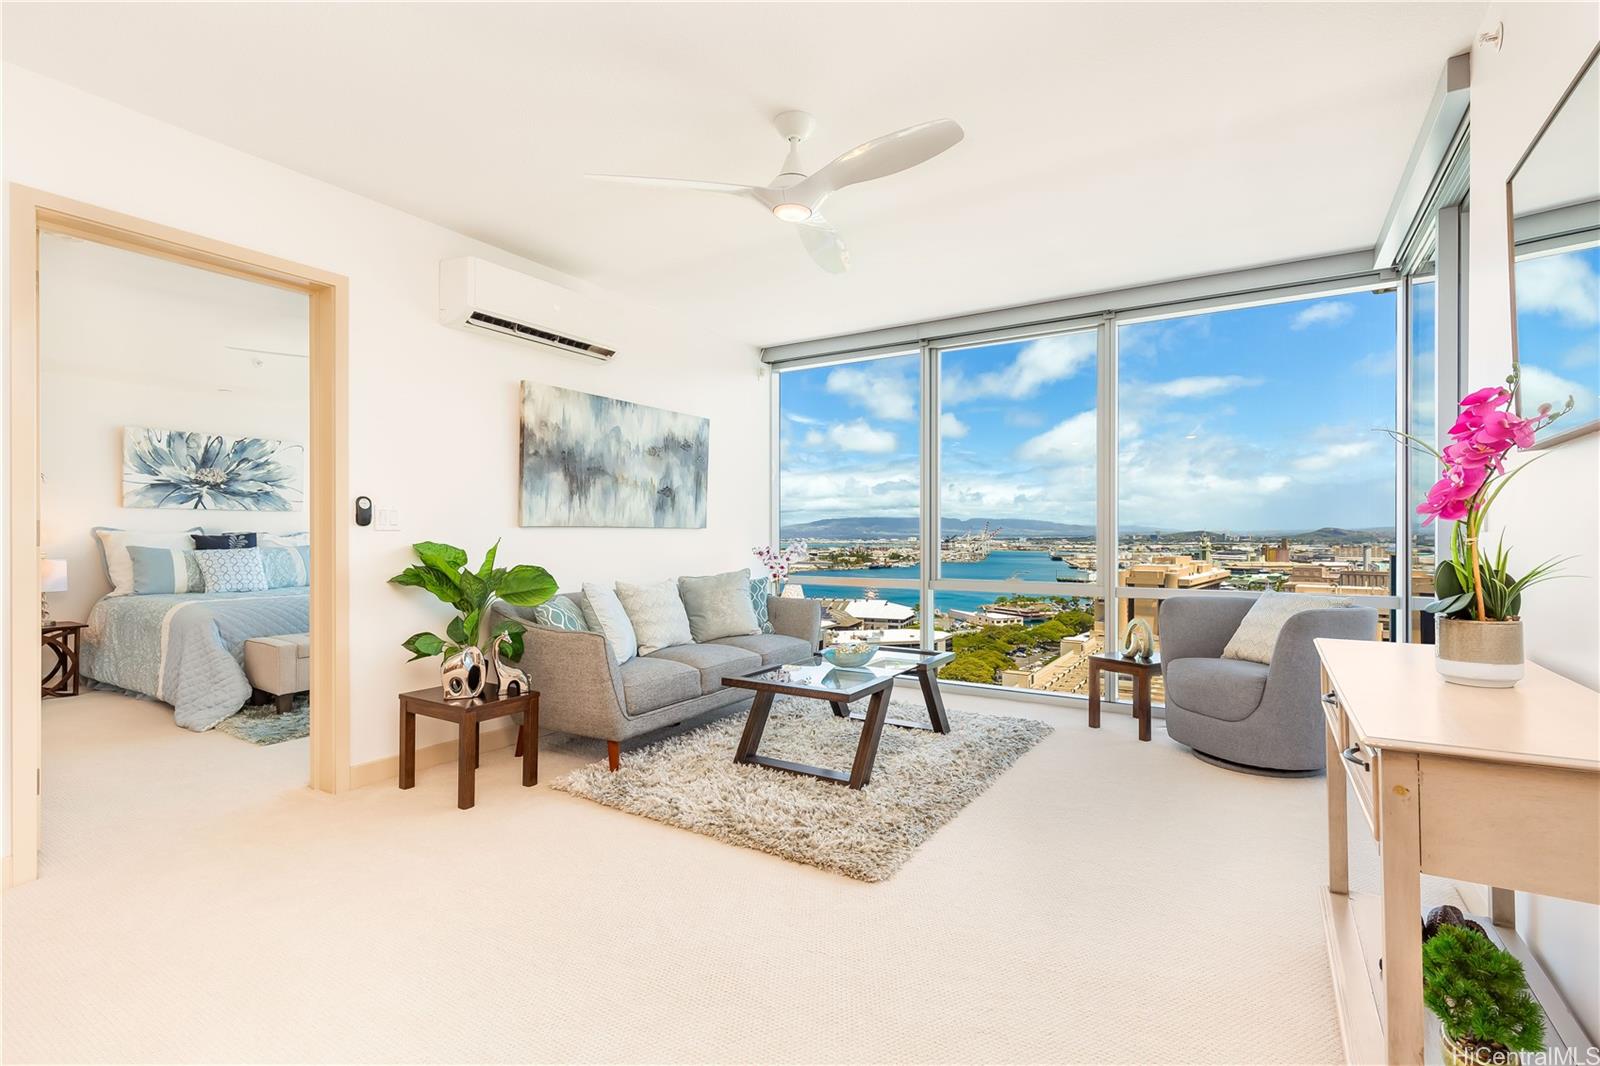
x: 517, y: 329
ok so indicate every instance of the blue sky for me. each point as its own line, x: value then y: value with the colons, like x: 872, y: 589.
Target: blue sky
x: 1558, y: 332
x: 1255, y: 418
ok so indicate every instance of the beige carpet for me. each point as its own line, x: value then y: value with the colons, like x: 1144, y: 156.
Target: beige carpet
x: 1103, y: 901
x: 920, y: 780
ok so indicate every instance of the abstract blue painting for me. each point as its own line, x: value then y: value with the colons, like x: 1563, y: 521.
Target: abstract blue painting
x: 594, y: 461
x: 210, y: 472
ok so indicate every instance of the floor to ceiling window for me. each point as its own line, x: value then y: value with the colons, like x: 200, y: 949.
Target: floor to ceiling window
x: 849, y: 486
x: 1422, y: 423
x: 963, y: 495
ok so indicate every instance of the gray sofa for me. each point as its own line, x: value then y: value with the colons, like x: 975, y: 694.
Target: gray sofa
x: 1247, y: 715
x: 583, y: 691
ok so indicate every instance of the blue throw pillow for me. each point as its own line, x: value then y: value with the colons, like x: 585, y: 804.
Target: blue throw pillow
x: 560, y: 612
x: 760, y: 589
x: 286, y: 568
x: 164, y: 570
x: 224, y: 540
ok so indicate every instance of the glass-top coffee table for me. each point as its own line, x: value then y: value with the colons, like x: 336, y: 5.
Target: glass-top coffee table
x: 818, y: 679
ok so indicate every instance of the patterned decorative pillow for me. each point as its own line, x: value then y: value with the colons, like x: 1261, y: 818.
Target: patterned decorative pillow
x: 207, y: 541
x: 604, y: 614
x: 657, y: 615
x: 164, y: 570
x: 559, y: 612
x: 286, y: 568
x: 760, y: 589
x: 233, y: 569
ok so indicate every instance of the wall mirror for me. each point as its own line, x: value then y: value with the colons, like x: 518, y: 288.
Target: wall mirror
x: 1553, y: 199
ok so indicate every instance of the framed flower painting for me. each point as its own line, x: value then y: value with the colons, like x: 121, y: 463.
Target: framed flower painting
x: 174, y: 468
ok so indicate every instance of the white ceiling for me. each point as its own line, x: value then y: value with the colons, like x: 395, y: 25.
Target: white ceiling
x: 1107, y: 144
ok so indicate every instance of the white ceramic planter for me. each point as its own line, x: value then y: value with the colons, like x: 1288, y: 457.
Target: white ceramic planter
x: 1481, y: 654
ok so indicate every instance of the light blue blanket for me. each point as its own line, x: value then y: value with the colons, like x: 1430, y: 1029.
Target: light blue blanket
x: 188, y: 650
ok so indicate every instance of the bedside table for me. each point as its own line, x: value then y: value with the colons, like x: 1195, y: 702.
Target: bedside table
x: 468, y: 716
x: 61, y: 638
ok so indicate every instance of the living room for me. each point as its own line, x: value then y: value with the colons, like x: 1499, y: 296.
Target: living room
x: 1086, y: 369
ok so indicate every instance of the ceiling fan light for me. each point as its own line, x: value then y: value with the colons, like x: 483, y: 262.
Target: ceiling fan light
x: 792, y: 212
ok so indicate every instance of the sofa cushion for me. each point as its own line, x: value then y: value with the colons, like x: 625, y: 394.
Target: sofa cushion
x: 1227, y: 689
x: 760, y: 589
x: 719, y: 605
x: 713, y: 661
x: 774, y: 648
x: 603, y: 613
x: 649, y: 683
x: 656, y: 613
x: 560, y: 612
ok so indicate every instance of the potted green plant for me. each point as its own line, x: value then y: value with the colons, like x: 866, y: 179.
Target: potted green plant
x: 1481, y: 998
x: 1478, y: 598
x: 469, y: 640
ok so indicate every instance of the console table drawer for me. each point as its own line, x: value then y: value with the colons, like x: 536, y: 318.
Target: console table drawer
x: 1361, y: 767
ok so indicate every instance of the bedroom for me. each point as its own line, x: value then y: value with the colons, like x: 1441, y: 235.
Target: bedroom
x: 174, y: 425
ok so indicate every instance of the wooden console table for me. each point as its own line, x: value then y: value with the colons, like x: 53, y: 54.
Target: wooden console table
x: 1495, y: 786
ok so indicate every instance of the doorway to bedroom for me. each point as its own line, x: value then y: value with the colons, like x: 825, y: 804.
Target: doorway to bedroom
x: 174, y: 530
x: 177, y: 451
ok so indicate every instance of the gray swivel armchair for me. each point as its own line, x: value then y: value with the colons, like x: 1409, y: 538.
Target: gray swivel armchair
x: 1246, y: 715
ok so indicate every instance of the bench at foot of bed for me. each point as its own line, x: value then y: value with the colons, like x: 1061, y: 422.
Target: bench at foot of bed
x: 279, y: 667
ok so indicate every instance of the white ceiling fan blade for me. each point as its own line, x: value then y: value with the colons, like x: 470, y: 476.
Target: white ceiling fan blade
x: 824, y: 244
x: 881, y: 157
x: 676, y: 183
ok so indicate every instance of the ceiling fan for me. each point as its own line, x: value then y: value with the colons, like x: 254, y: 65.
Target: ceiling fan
x: 794, y: 197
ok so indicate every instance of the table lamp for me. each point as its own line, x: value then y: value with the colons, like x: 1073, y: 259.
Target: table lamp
x: 52, y: 578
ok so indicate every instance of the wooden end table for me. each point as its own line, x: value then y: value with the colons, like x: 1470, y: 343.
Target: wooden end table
x: 1140, y: 670
x: 61, y: 638
x: 468, y: 715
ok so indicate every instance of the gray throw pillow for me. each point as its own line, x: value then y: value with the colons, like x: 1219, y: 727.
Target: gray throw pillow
x: 604, y: 614
x: 656, y: 613
x: 719, y: 605
x: 1257, y: 635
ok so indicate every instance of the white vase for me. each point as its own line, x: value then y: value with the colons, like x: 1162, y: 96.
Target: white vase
x: 1480, y: 654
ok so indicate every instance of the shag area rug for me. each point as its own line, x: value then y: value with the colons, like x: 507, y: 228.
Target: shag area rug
x: 263, y: 724
x: 920, y: 781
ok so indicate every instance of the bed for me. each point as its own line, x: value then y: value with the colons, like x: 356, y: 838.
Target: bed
x: 188, y: 649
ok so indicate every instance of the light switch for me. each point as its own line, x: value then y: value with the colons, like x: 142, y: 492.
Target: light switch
x: 388, y: 519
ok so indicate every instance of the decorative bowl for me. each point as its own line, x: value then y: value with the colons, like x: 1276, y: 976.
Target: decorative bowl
x: 849, y: 653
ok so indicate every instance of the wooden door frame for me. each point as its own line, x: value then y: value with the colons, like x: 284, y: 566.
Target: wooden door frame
x: 33, y: 212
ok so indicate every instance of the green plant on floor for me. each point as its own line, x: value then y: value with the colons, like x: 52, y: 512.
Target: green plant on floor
x: 443, y: 571
x: 1480, y: 995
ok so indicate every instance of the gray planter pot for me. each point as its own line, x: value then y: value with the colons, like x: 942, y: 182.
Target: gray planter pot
x: 1481, y: 654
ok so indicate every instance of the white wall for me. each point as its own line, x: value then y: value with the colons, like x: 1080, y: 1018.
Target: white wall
x: 130, y: 340
x: 1551, y: 509
x: 433, y: 413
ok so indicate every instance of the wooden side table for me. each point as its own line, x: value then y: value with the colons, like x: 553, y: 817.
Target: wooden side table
x: 468, y: 716
x: 61, y: 638
x: 1140, y: 671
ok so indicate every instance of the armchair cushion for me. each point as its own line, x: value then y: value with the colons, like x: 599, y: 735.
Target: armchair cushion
x: 1257, y: 635
x: 650, y: 682
x: 1227, y: 689
x: 713, y: 662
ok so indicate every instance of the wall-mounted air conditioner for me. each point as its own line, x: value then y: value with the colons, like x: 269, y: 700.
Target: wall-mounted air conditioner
x: 477, y: 295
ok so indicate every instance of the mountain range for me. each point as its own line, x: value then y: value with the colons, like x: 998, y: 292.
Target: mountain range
x: 864, y: 527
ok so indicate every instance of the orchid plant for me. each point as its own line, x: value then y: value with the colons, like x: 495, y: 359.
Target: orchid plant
x: 780, y: 562
x: 1472, y: 585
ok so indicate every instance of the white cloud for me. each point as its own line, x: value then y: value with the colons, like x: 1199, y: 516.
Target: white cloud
x: 1322, y: 313
x: 1070, y: 440
x: 802, y: 419
x: 888, y: 394
x: 1203, y: 385
x: 1334, y: 455
x: 808, y: 495
x: 1023, y: 419
x: 1039, y: 363
x: 951, y: 427
x: 859, y: 436
x: 1561, y: 285
x: 1541, y: 386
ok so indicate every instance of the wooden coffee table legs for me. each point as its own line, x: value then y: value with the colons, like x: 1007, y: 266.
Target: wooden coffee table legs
x: 938, y: 720
x: 866, y: 749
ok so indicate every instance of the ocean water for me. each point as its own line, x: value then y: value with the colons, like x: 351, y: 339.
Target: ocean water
x: 999, y: 566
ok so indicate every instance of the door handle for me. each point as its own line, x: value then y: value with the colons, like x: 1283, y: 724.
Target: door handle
x: 1352, y: 754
